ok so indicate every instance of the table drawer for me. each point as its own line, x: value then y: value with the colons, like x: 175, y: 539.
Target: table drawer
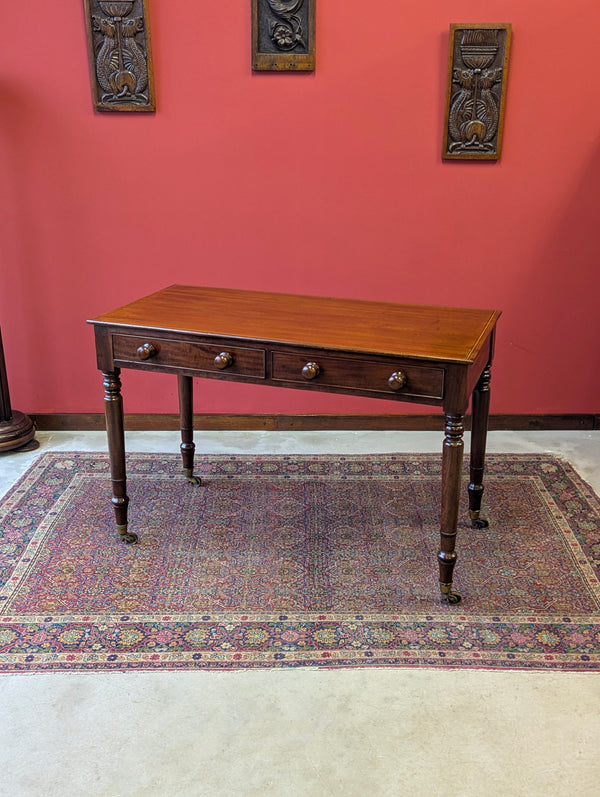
x: 217, y: 358
x: 393, y: 377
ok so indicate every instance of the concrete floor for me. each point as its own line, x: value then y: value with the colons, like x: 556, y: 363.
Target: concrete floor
x: 348, y: 732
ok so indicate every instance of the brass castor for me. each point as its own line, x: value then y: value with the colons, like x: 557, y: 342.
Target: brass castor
x: 127, y: 536
x: 478, y: 522
x: 449, y: 596
x: 453, y: 598
x: 189, y: 475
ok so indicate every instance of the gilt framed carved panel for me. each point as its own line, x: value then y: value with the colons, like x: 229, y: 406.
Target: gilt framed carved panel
x: 120, y: 55
x: 283, y: 35
x: 476, y: 91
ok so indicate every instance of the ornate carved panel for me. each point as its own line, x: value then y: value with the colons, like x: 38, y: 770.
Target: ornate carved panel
x: 283, y: 35
x: 475, y: 97
x: 120, y: 55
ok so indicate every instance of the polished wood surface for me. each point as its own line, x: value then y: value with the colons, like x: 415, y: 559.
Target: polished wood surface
x: 436, y: 333
x: 409, y: 353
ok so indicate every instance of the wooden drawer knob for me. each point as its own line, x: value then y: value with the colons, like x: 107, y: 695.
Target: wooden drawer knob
x: 146, y: 351
x: 397, y: 380
x: 223, y: 360
x: 311, y: 371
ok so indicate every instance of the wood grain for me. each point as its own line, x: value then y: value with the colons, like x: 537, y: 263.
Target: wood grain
x: 436, y: 333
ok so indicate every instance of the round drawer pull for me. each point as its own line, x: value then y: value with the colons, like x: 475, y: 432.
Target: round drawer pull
x: 223, y: 360
x: 397, y: 380
x: 311, y: 371
x: 146, y: 351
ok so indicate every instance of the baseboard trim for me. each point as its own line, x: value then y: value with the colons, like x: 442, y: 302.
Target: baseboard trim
x: 152, y: 422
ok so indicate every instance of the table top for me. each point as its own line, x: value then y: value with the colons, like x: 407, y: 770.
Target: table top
x: 449, y: 334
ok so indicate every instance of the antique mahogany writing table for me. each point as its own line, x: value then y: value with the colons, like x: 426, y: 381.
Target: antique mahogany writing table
x: 426, y: 355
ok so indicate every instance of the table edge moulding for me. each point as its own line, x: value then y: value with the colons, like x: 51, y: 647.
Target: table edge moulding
x: 422, y: 354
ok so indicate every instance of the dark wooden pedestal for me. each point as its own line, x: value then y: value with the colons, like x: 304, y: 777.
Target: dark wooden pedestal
x: 16, y: 430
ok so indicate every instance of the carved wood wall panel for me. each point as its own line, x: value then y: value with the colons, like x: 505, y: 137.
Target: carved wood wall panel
x: 476, y: 91
x: 120, y: 55
x: 283, y: 35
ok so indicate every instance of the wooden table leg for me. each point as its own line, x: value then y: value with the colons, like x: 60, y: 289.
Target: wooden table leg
x: 481, y: 408
x: 452, y: 456
x: 186, y: 422
x: 113, y: 407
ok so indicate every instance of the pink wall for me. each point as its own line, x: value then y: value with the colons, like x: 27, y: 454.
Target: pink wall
x: 326, y: 183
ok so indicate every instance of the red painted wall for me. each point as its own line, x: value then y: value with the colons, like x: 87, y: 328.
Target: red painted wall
x: 326, y: 183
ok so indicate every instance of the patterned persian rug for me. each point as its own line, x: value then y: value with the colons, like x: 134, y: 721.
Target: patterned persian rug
x: 288, y: 561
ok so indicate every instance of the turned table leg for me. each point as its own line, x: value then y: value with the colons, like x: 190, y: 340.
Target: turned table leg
x: 186, y: 422
x: 452, y: 456
x: 481, y: 409
x: 113, y: 407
